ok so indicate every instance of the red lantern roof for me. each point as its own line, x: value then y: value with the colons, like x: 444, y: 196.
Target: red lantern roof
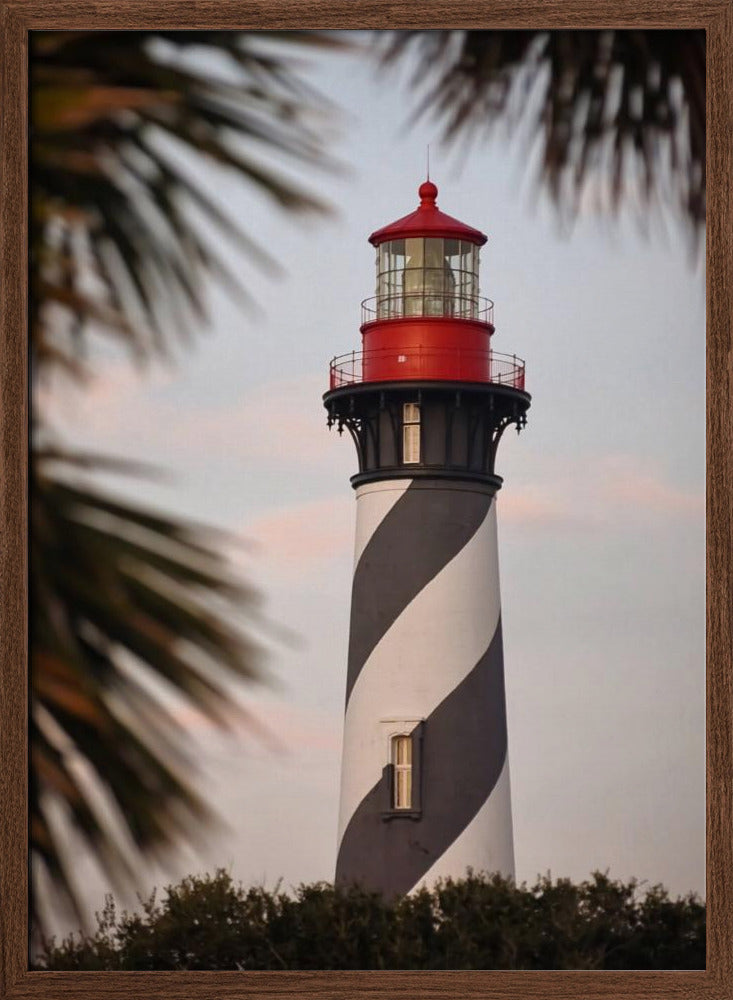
x: 428, y: 220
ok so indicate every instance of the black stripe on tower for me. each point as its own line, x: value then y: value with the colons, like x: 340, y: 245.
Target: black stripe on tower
x: 424, y: 530
x: 464, y: 751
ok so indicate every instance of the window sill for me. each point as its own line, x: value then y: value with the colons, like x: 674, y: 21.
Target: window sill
x: 413, y: 814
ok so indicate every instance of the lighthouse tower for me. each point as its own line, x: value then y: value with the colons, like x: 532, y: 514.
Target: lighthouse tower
x: 425, y: 775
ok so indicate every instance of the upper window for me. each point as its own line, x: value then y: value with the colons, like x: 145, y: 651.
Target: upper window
x: 410, y: 433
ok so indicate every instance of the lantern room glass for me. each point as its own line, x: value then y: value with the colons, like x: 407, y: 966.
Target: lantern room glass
x: 427, y: 276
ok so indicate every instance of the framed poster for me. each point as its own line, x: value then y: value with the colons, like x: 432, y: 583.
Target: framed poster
x: 395, y: 726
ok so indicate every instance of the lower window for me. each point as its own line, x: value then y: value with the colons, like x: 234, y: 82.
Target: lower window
x: 402, y: 774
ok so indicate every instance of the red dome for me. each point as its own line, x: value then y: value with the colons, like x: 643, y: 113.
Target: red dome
x: 428, y: 220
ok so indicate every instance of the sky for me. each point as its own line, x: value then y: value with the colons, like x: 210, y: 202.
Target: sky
x: 601, y: 517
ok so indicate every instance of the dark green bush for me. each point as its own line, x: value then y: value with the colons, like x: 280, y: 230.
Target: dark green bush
x: 479, y: 922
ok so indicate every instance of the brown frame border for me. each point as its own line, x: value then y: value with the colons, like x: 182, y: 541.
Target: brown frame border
x: 20, y: 16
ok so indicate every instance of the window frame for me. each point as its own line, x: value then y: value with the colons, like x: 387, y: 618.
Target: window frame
x: 411, y: 441
x: 398, y: 742
x: 391, y: 729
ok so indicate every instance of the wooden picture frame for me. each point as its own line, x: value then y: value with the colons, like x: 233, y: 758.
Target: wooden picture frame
x: 21, y: 16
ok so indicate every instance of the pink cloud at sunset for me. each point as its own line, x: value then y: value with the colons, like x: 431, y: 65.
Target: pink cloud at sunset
x: 115, y: 399
x: 282, y: 421
x: 597, y: 494
x: 304, y: 536
x: 276, y: 422
x: 312, y: 730
x: 624, y: 480
x: 532, y: 506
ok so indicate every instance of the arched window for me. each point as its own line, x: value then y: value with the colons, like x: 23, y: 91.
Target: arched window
x: 401, y: 757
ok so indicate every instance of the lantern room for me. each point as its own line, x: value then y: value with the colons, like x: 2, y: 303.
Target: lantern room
x: 427, y: 276
x: 427, y: 264
x: 426, y: 319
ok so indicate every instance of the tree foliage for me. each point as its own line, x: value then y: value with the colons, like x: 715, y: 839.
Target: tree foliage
x: 479, y: 922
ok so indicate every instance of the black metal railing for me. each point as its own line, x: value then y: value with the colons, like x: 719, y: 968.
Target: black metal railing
x: 406, y: 305
x: 436, y: 363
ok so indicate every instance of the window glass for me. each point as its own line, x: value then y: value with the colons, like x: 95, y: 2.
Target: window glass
x: 382, y: 282
x: 467, y: 256
x: 411, y: 444
x: 433, y: 253
x: 414, y: 279
x: 468, y: 301
x: 396, y: 254
x: 402, y: 747
x: 410, y: 433
x: 390, y: 266
x: 427, y: 276
x: 453, y: 254
x: 414, y: 252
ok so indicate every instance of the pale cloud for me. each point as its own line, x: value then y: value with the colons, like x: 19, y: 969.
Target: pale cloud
x: 607, y: 490
x: 533, y: 506
x: 281, y: 421
x: 120, y: 410
x: 300, y: 537
x: 271, y: 725
x: 625, y: 481
x: 290, y: 540
x: 293, y: 728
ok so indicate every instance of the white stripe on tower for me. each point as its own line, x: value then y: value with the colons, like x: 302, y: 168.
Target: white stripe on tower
x: 426, y: 645
x: 382, y: 497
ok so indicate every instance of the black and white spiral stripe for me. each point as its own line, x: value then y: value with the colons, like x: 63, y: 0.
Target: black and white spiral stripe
x: 425, y: 645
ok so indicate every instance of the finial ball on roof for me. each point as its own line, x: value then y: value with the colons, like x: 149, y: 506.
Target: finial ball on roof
x: 428, y: 191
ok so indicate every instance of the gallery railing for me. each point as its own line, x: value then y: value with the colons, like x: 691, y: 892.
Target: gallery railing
x: 429, y: 363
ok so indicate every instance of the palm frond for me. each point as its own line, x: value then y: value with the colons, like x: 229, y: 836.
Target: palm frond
x: 623, y: 108
x: 114, y: 117
x: 132, y: 616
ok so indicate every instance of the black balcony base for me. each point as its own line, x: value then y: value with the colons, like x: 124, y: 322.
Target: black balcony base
x: 461, y: 424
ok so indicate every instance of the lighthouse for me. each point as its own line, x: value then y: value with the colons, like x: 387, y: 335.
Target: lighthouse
x: 425, y: 772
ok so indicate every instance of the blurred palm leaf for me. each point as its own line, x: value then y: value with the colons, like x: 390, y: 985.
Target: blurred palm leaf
x: 623, y: 108
x: 119, y: 594
x: 117, y: 118
x: 131, y: 611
